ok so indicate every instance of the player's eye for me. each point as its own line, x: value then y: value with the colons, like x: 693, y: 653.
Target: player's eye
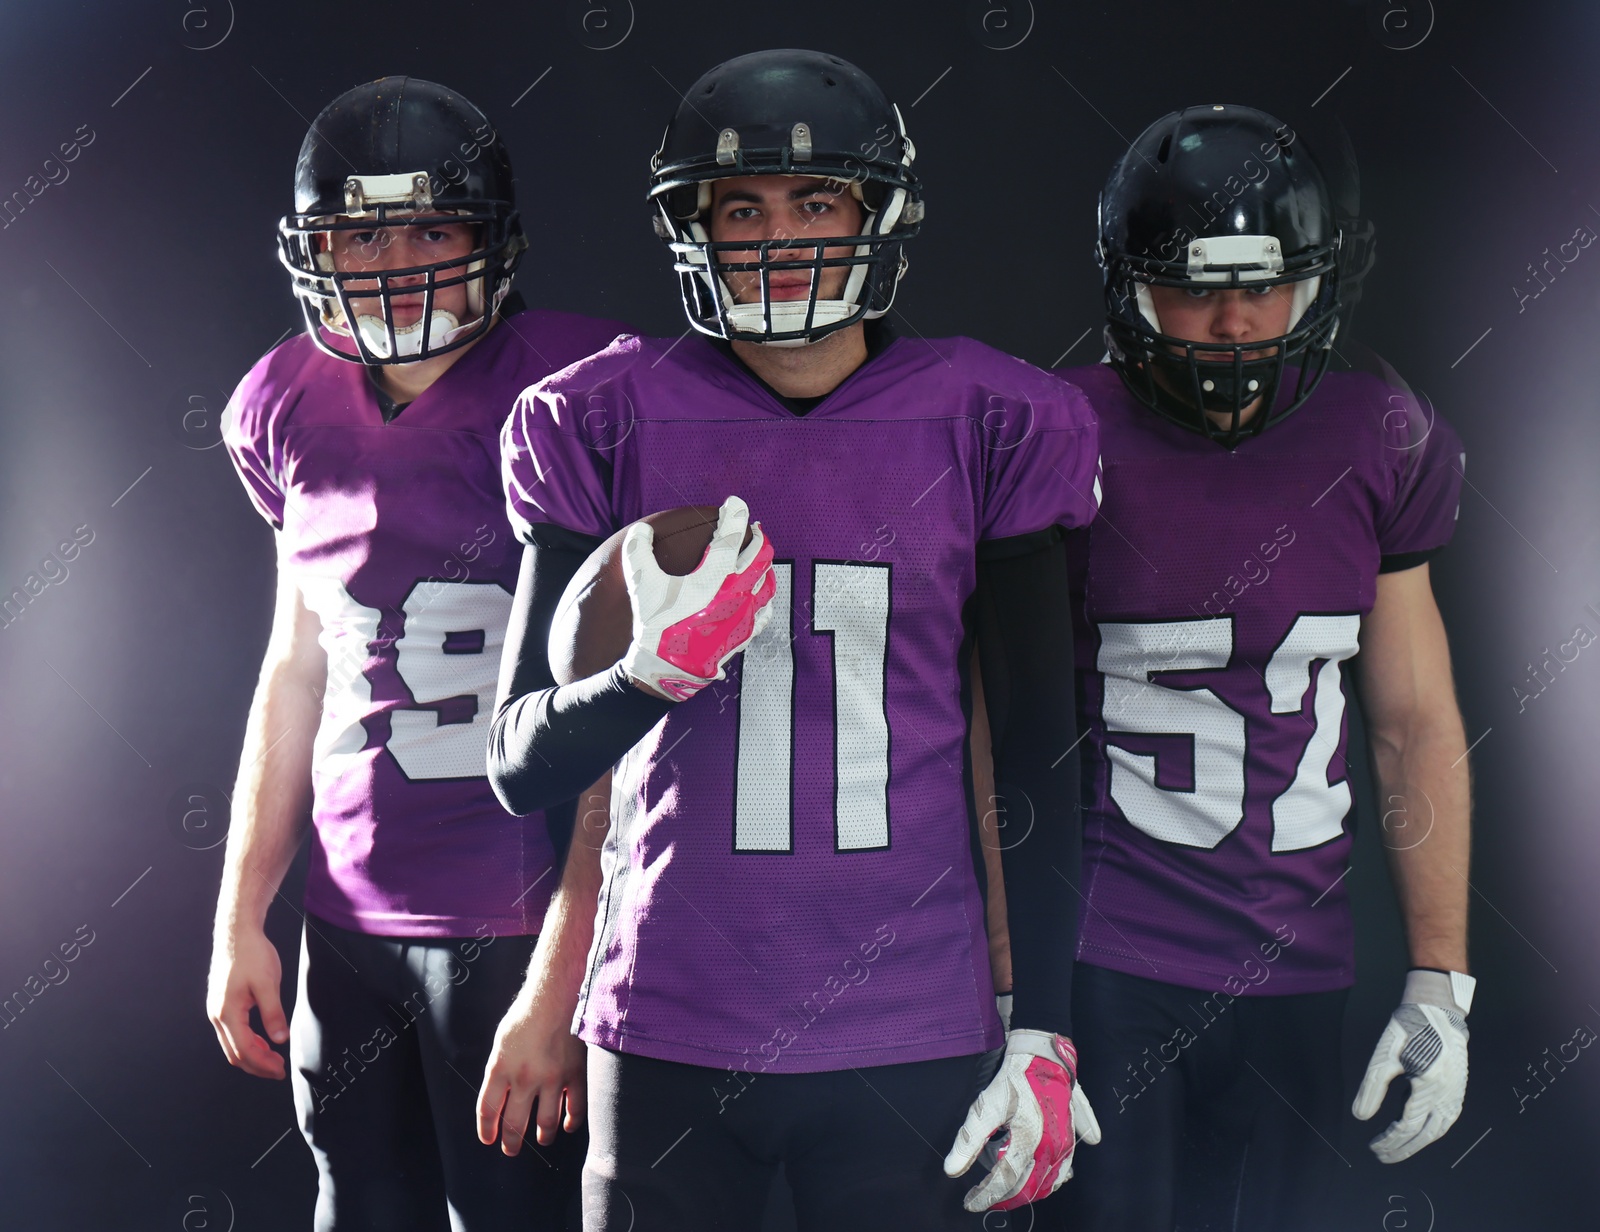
x: 1259, y: 292
x: 1197, y: 292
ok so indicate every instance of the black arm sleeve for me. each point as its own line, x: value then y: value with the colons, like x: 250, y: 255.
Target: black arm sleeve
x: 549, y: 743
x: 1024, y: 626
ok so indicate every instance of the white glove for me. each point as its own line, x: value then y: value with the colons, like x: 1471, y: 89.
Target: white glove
x: 1035, y: 1095
x: 686, y: 628
x: 1426, y: 1040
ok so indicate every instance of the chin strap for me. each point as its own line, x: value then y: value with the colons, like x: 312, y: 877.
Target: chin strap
x: 442, y: 328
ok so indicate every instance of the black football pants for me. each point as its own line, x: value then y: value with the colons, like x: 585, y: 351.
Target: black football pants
x: 687, y: 1148
x: 1219, y: 1114
x: 388, y: 1044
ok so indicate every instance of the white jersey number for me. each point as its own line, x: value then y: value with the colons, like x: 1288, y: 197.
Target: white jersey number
x: 450, y: 650
x: 1310, y: 811
x: 850, y: 604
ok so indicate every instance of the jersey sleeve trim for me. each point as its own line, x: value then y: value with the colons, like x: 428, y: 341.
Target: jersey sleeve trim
x: 550, y: 537
x: 1398, y: 562
x: 1013, y: 546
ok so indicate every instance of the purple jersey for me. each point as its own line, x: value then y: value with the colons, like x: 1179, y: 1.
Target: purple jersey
x: 789, y: 874
x: 1217, y: 600
x: 396, y: 535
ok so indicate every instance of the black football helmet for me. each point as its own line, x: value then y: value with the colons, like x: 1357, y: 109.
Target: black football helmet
x: 1358, y: 234
x: 1217, y: 197
x: 786, y: 112
x: 399, y: 152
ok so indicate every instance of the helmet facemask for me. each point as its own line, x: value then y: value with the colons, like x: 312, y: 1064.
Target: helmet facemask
x: 1187, y: 380
x: 332, y: 298
x: 874, y: 259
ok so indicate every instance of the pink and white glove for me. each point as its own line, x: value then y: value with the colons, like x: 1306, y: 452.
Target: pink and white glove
x: 686, y: 628
x: 1036, y: 1096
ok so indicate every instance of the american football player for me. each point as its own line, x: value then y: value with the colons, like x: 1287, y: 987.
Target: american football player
x: 789, y: 962
x: 1266, y: 530
x: 370, y: 443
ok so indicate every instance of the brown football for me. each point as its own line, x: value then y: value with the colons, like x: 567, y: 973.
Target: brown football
x: 593, y: 623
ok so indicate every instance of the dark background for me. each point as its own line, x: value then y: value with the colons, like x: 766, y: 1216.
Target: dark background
x: 145, y: 284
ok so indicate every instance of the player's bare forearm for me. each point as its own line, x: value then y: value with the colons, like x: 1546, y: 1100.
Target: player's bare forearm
x: 535, y: 1074
x: 1419, y: 755
x: 557, y: 966
x: 1424, y: 773
x: 271, y: 796
x: 269, y: 808
x: 273, y: 789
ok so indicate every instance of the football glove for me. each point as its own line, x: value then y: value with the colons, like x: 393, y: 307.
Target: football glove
x: 1426, y: 1040
x: 1036, y: 1097
x: 686, y: 628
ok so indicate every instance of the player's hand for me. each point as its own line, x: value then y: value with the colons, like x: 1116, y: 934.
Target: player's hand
x: 1036, y: 1097
x: 245, y: 973
x: 536, y: 1070
x: 686, y: 628
x: 1426, y: 1040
